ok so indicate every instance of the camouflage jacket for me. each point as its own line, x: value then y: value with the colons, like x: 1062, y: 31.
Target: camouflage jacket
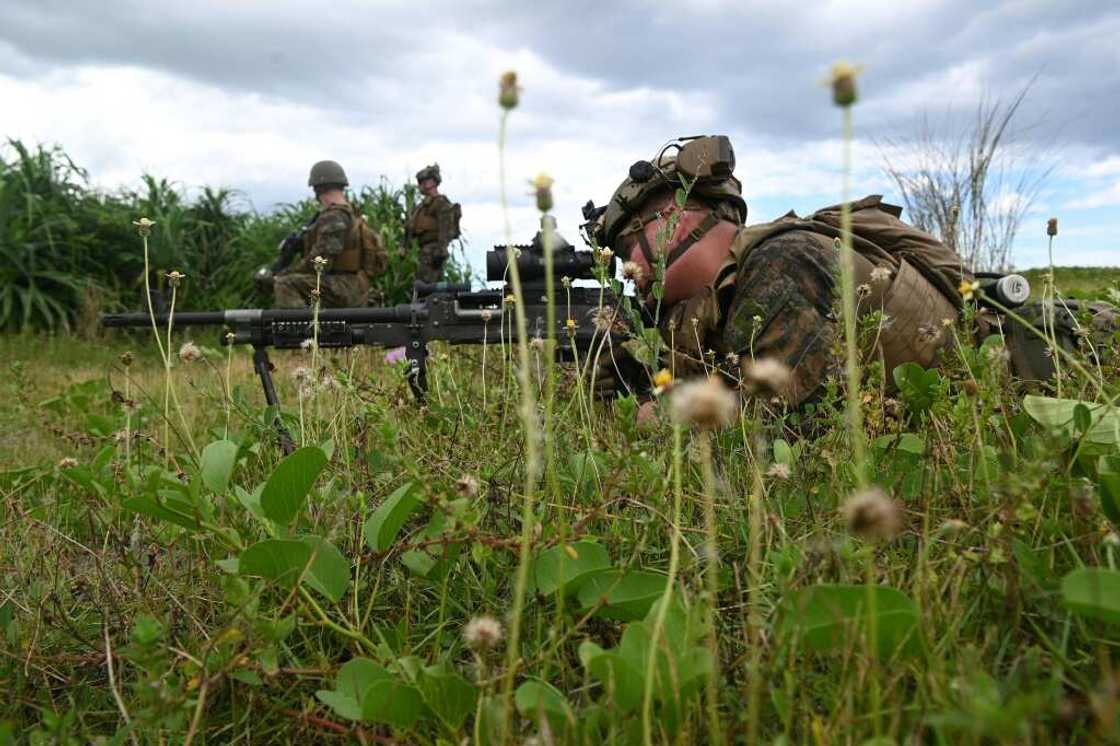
x: 432, y: 221
x: 331, y: 237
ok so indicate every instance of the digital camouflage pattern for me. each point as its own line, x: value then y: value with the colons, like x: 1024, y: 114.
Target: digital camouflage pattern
x: 432, y: 224
x: 343, y: 282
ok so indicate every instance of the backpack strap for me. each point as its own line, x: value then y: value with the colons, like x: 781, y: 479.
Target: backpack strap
x: 710, y: 221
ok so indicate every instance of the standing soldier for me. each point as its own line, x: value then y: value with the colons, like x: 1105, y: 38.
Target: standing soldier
x: 434, y: 223
x: 340, y: 251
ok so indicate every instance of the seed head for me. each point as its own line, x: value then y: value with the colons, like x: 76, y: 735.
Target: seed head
x: 508, y: 90
x: 566, y: 282
x: 880, y: 274
x: 126, y: 359
x: 144, y: 226
x: 842, y: 79
x: 483, y: 633
x: 778, y: 471
x: 536, y: 343
x: 68, y: 463
x: 604, y: 255
x: 606, y: 319
x: 510, y: 300
x: 486, y: 315
x: 767, y: 376
x: 320, y: 263
x: 873, y: 516
x: 175, y: 277
x: 863, y: 290
x: 542, y: 188
x: 632, y: 271
x: 308, y: 344
x: 189, y: 352
x: 705, y: 404
x: 1052, y: 227
x: 466, y: 486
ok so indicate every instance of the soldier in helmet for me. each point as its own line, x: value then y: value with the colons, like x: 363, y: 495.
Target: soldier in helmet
x: 734, y: 294
x: 433, y: 223
x: 340, y: 251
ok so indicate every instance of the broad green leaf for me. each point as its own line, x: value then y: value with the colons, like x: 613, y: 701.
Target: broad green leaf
x: 622, y: 682
x: 284, y: 560
x: 917, y: 386
x: 1108, y: 485
x: 173, y: 510
x: 1058, y: 415
x: 286, y: 490
x: 353, y: 679
x: 626, y: 596
x: 218, y: 460
x: 834, y: 617
x: 903, y: 442
x: 783, y: 454
x: 567, y: 565
x: 1093, y: 592
x: 382, y: 527
x: 536, y: 697
x: 447, y: 694
x: 392, y: 703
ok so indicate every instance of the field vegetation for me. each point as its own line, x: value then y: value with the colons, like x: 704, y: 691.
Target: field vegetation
x: 513, y: 562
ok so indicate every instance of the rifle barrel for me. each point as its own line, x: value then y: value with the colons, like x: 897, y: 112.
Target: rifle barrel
x: 240, y: 317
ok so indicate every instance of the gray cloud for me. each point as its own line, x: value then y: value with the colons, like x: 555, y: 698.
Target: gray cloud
x: 761, y: 61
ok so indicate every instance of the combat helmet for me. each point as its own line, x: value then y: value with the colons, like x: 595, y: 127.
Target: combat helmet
x: 704, y: 162
x: 429, y: 172
x: 327, y: 173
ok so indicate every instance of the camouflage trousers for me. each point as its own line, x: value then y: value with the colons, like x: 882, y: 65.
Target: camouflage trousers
x: 785, y: 300
x: 429, y: 267
x: 342, y: 290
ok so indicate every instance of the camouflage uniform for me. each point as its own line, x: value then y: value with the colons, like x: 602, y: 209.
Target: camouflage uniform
x: 342, y: 284
x: 431, y: 224
x: 776, y: 297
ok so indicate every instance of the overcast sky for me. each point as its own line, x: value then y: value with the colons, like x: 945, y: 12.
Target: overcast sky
x: 248, y: 93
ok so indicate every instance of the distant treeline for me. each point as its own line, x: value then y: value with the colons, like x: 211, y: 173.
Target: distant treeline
x: 69, y: 252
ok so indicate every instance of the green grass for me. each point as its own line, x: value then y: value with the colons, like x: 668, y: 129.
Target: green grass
x: 1084, y: 283
x: 975, y: 641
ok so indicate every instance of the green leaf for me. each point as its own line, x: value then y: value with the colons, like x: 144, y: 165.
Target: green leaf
x: 1082, y: 418
x: 622, y: 682
x: 1058, y: 415
x: 1108, y: 485
x: 783, y: 454
x: 382, y: 527
x: 1093, y: 592
x: 284, y: 561
x: 568, y: 566
x: 448, y: 695
x: 626, y: 596
x: 173, y: 510
x: 903, y: 442
x: 286, y: 489
x: 834, y: 617
x: 917, y: 385
x: 353, y: 679
x: 535, y: 698
x: 218, y: 460
x: 392, y: 703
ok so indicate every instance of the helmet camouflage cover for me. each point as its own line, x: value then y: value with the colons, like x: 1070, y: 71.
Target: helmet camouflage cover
x: 429, y: 172
x: 327, y: 173
x: 704, y: 163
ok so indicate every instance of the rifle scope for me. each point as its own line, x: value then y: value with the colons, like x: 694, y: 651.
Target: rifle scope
x: 566, y: 262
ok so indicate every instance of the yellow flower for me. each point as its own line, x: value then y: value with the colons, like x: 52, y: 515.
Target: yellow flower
x: 662, y: 381
x: 571, y: 325
x: 968, y: 289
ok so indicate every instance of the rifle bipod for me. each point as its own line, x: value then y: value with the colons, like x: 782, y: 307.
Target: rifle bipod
x: 263, y: 366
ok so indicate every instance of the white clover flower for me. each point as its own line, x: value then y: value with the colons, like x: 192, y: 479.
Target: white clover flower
x: 483, y: 633
x: 872, y: 515
x: 190, y: 353
x: 778, y: 471
x: 705, y: 404
x: 632, y: 271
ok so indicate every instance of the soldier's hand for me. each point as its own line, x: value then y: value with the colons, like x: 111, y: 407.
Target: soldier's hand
x: 618, y: 372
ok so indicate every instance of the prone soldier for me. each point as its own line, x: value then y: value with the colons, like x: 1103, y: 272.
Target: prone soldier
x: 433, y: 223
x: 348, y: 251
